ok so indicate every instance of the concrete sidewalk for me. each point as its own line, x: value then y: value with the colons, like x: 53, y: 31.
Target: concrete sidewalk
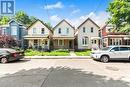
x: 58, y: 57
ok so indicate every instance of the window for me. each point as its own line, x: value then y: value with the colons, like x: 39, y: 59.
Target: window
x: 124, y: 48
x: 95, y: 41
x: 60, y: 42
x: 4, y: 31
x: 84, y: 41
x: 35, y: 42
x: 67, y: 31
x: 34, y: 30
x: 13, y: 30
x: 84, y: 30
x: 116, y: 49
x: 59, y: 31
x: 43, y: 31
x: 91, y: 29
x: 45, y: 42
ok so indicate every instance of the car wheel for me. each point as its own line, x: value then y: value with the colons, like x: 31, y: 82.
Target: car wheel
x: 4, y: 60
x: 104, y: 59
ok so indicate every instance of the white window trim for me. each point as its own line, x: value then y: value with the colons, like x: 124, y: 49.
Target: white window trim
x: 14, y: 31
x: 62, y: 43
x: 84, y: 42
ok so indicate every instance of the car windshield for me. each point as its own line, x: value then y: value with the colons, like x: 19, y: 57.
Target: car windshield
x: 106, y: 48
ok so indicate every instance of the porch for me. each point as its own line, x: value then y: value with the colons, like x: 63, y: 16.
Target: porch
x: 38, y: 43
x: 64, y: 43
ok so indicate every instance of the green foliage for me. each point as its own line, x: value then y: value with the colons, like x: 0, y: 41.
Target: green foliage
x: 83, y: 53
x: 4, y: 20
x: 120, y: 12
x: 125, y: 29
x: 30, y: 52
x: 22, y: 17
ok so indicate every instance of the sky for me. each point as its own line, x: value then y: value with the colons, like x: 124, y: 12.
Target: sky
x: 74, y: 11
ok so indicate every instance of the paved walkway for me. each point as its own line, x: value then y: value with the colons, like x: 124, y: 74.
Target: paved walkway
x: 72, y: 53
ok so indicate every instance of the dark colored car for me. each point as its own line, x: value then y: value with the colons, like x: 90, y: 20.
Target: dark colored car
x: 7, y: 55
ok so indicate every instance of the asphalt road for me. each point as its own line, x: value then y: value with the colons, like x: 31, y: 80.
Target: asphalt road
x: 64, y: 73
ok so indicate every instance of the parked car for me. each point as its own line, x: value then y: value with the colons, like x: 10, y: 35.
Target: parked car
x: 112, y: 53
x: 7, y: 54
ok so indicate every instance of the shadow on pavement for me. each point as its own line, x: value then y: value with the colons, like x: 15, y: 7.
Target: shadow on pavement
x: 19, y: 61
x: 58, y: 77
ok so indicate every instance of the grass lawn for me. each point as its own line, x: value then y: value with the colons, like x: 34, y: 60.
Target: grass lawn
x: 52, y: 53
x: 83, y: 53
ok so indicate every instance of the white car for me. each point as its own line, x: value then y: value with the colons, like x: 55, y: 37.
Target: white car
x: 112, y: 53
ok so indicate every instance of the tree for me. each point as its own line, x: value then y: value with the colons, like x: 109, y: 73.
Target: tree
x: 120, y: 13
x: 4, y: 20
x: 22, y: 17
x: 126, y: 29
x: 7, y: 41
x: 32, y: 19
x: 48, y: 25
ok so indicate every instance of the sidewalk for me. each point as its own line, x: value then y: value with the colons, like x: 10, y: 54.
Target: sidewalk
x: 58, y: 57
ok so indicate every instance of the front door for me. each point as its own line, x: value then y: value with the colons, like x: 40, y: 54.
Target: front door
x: 70, y: 45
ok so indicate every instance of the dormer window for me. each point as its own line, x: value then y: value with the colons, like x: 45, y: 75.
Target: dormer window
x: 91, y: 29
x: 43, y: 31
x: 59, y: 31
x: 84, y: 30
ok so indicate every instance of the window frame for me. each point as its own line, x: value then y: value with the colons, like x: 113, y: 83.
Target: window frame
x: 43, y: 30
x: 84, y: 29
x: 92, y: 29
x: 59, y: 31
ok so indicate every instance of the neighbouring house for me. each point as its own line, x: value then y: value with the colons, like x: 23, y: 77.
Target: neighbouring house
x: 63, y: 36
x: 88, y: 35
x: 38, y: 36
x: 110, y: 37
x: 14, y: 29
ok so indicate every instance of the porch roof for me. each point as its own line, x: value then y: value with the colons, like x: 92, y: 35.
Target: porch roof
x: 95, y: 38
x: 70, y: 38
x: 36, y: 37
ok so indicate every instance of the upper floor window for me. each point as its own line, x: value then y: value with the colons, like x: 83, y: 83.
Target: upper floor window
x: 43, y: 31
x: 34, y: 30
x: 84, y: 29
x: 91, y: 29
x: 67, y: 31
x: 13, y: 30
x: 59, y: 31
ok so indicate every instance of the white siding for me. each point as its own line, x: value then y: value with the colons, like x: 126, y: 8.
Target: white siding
x: 88, y: 34
x: 64, y: 33
x: 38, y: 25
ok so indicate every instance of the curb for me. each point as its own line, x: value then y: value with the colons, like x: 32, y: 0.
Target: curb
x: 57, y: 57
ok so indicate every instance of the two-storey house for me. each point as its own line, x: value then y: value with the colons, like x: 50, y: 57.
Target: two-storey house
x: 38, y: 35
x: 63, y: 35
x: 15, y: 30
x: 88, y: 34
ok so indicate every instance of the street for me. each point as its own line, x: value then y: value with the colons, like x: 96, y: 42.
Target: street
x: 64, y: 73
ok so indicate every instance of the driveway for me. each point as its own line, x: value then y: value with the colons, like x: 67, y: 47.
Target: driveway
x: 64, y: 73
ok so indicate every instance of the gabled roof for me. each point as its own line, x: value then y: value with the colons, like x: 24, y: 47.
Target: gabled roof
x: 86, y: 21
x: 63, y: 21
x: 41, y: 22
x: 14, y: 21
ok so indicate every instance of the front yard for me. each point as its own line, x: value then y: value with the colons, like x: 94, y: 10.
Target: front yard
x: 31, y: 52
x: 83, y: 53
x: 60, y: 52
